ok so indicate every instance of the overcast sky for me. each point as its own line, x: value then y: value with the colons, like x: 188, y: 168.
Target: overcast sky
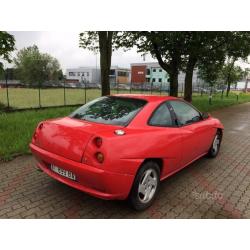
x: 65, y: 47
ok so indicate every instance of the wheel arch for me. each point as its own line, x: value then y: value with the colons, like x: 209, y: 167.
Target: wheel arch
x: 159, y: 162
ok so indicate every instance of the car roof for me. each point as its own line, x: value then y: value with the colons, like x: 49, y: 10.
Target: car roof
x: 149, y: 98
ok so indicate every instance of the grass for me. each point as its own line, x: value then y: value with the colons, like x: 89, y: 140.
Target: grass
x: 16, y: 128
x: 27, y: 97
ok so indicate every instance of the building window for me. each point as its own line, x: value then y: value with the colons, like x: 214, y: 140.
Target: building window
x: 82, y: 73
x: 112, y: 72
x: 148, y: 71
x: 87, y: 74
x: 122, y: 73
x: 148, y: 79
x: 71, y: 73
x: 79, y: 74
x: 160, y: 80
x: 154, y: 70
x: 160, y: 70
x: 153, y: 80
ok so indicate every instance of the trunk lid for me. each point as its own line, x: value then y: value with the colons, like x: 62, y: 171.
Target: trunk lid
x: 67, y: 137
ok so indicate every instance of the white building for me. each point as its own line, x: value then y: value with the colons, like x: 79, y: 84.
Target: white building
x: 85, y: 74
x: 181, y: 80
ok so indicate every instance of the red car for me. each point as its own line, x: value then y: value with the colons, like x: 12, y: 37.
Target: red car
x: 122, y: 146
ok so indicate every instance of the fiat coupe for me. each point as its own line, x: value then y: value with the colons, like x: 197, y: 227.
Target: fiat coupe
x: 122, y: 146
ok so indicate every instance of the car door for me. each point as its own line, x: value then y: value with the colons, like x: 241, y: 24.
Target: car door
x: 167, y: 145
x: 197, y: 132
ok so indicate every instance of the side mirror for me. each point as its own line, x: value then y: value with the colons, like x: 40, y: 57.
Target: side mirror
x: 205, y: 115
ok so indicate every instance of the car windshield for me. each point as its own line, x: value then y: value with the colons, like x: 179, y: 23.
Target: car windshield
x: 111, y: 110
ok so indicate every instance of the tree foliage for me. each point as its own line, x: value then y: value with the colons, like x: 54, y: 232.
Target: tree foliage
x: 7, y: 45
x: 167, y: 47
x: 184, y: 51
x: 34, y: 67
x: 181, y: 51
x: 231, y: 74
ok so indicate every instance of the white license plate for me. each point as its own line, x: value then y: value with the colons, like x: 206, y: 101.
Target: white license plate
x: 63, y: 172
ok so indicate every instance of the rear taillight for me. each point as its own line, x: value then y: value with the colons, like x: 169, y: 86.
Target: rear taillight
x: 99, y: 157
x: 98, y: 142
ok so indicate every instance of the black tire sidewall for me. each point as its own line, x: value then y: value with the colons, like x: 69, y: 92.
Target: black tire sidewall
x: 211, y: 153
x: 133, y: 197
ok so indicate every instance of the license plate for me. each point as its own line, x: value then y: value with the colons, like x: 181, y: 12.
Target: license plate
x: 63, y: 172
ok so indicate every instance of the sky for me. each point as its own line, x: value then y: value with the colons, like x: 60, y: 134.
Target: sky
x: 65, y: 47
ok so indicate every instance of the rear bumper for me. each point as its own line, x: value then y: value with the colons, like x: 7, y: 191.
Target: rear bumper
x: 94, y: 181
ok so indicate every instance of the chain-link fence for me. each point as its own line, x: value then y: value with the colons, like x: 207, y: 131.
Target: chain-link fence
x: 15, y: 96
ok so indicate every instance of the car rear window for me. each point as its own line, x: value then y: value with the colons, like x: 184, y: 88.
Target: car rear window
x: 111, y: 110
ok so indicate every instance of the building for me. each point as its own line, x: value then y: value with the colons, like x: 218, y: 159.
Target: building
x: 92, y: 75
x: 119, y: 75
x: 148, y: 73
x: 11, y: 84
x: 197, y: 82
x: 89, y: 75
x: 152, y: 73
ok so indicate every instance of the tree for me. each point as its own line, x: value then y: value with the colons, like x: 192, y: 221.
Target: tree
x: 231, y: 73
x: 102, y: 41
x: 166, y: 47
x: 7, y: 45
x: 34, y: 67
x: 246, y: 77
x: 207, y: 49
x: 176, y: 51
x: 210, y: 73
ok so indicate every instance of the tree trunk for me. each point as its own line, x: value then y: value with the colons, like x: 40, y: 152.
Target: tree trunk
x: 105, y: 45
x: 228, y: 76
x: 246, y: 84
x: 173, y: 76
x: 172, y: 68
x: 189, y: 79
x: 228, y: 89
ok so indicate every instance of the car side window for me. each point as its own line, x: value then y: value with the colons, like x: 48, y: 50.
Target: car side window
x: 185, y: 113
x: 161, y: 117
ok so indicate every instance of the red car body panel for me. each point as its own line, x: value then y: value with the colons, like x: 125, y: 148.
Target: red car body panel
x: 69, y: 144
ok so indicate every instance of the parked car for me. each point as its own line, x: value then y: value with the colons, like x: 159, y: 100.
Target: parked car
x: 203, y: 90
x: 122, y: 146
x: 122, y: 86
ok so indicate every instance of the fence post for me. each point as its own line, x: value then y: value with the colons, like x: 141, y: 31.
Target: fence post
x: 85, y: 92
x: 39, y: 95
x: 7, y: 88
x: 64, y: 93
x: 130, y: 87
x: 117, y: 89
x: 160, y: 88
x: 151, y: 85
x: 210, y: 99
x: 237, y: 97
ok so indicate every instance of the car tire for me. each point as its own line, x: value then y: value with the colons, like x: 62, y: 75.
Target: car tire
x: 145, y: 186
x: 215, y: 147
